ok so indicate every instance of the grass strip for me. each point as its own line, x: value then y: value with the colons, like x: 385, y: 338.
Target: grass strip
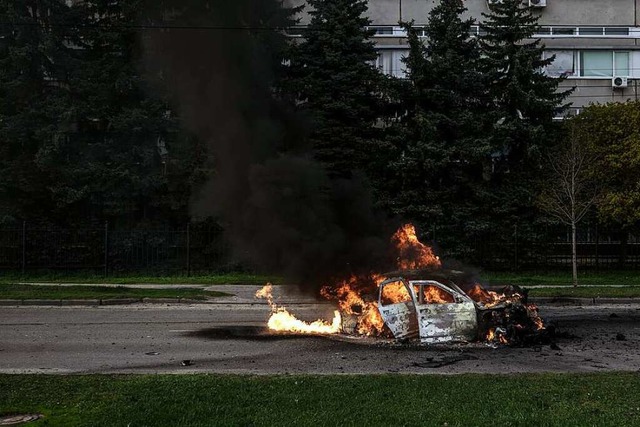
x: 214, y: 279
x: 590, y: 292
x: 624, y: 278
x: 98, y: 292
x: 611, y: 399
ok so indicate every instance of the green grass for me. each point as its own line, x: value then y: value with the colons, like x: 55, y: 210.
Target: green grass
x: 9, y: 291
x: 611, y: 399
x: 626, y: 278
x: 590, y: 292
x: 214, y: 279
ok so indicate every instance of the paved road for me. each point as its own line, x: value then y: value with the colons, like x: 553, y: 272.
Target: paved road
x: 230, y: 338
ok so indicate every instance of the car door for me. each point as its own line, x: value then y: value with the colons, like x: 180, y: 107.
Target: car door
x: 397, y: 308
x: 444, y: 314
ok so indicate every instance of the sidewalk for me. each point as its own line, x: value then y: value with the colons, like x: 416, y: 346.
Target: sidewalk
x: 245, y: 294
x: 240, y: 294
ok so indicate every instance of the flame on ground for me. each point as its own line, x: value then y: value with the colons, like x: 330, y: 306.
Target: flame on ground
x: 283, y: 321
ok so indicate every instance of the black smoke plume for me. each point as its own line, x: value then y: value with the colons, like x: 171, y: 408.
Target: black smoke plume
x: 221, y: 62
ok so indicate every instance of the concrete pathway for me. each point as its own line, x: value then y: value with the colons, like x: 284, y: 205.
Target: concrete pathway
x: 283, y: 295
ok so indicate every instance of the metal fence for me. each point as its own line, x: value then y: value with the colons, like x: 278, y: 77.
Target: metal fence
x: 551, y: 249
x: 104, y: 251
x: 196, y: 249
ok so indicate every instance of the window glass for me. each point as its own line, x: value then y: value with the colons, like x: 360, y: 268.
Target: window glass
x: 597, y: 63
x: 385, y: 61
x: 621, y: 63
x: 563, y: 64
x: 390, y: 62
x: 394, y: 293
x: 563, y: 31
x: 590, y: 31
x: 382, y: 30
x: 616, y: 31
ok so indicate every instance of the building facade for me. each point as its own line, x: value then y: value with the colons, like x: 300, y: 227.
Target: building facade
x: 595, y: 41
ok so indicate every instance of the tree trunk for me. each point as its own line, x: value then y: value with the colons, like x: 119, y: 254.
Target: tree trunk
x: 574, y: 254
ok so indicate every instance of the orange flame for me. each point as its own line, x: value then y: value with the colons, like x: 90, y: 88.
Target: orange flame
x: 357, y: 296
x: 412, y: 254
x: 282, y: 320
x: 351, y: 302
x: 435, y: 295
x: 495, y: 337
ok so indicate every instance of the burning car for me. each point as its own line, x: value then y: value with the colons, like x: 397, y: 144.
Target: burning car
x: 420, y: 301
x: 431, y: 307
x: 428, y: 310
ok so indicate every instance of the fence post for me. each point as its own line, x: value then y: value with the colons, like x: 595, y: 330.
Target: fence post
x: 515, y: 245
x: 106, y: 248
x: 188, y: 249
x: 597, y: 251
x: 24, y: 247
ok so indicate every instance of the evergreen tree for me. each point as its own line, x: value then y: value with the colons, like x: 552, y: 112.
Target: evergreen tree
x: 336, y: 85
x: 34, y: 60
x: 127, y: 152
x: 522, y: 101
x: 83, y: 139
x: 446, y: 143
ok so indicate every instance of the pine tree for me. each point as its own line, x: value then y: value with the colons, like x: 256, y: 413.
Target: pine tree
x: 523, y: 99
x: 521, y: 103
x: 82, y: 137
x: 446, y: 141
x: 119, y: 155
x: 34, y: 61
x: 336, y: 85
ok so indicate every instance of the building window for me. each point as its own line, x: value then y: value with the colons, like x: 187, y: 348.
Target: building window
x: 562, y: 65
x: 390, y: 62
x: 621, y: 64
x: 597, y: 63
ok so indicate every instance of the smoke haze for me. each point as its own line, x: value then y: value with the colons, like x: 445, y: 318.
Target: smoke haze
x: 280, y: 209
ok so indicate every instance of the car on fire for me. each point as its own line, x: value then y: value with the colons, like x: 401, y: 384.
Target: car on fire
x: 427, y: 309
x: 433, y: 308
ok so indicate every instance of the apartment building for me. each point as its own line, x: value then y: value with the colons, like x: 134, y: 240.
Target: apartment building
x: 595, y: 41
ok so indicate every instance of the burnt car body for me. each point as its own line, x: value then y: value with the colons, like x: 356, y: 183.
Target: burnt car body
x: 431, y: 306
x: 454, y: 317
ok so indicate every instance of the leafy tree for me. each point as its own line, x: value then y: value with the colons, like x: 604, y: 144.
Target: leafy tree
x: 571, y: 187
x: 612, y: 131
x: 446, y: 139
x: 336, y: 85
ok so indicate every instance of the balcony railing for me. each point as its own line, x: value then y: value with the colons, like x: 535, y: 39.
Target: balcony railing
x: 545, y: 31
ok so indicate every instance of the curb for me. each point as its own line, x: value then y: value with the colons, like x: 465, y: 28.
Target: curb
x: 582, y: 301
x: 129, y: 301
x: 97, y: 302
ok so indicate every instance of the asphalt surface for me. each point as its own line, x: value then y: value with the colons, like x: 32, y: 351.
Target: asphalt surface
x: 231, y: 338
